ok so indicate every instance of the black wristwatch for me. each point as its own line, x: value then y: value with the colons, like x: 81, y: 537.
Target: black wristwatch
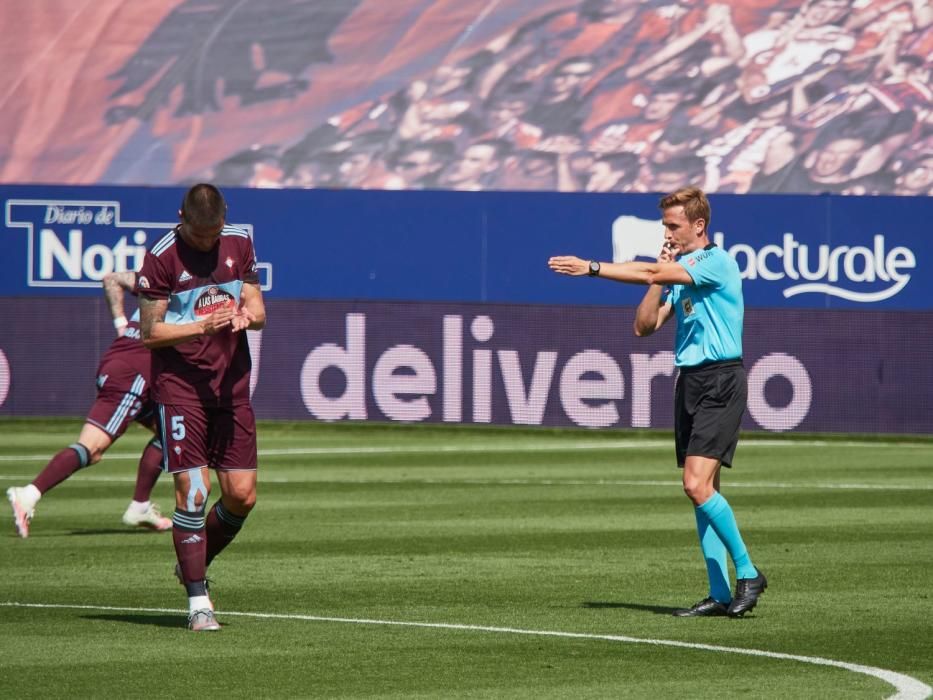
x: 594, y: 269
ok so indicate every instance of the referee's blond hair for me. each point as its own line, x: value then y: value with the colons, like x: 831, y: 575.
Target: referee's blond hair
x: 694, y: 202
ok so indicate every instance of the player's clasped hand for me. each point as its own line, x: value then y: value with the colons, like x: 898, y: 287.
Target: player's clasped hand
x: 218, y: 320
x: 242, y: 319
x: 568, y: 265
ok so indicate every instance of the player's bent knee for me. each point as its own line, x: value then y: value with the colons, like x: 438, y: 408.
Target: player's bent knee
x: 191, y: 490
x: 239, y: 491
x: 185, y: 500
x: 95, y: 440
x: 241, y: 502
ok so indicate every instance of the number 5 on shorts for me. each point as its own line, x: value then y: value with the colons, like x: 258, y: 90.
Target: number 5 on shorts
x: 178, y: 428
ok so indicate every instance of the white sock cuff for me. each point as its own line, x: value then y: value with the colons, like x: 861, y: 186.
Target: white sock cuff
x: 199, y: 602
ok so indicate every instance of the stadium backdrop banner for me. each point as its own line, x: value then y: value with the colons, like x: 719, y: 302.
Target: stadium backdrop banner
x: 545, y: 95
x: 439, y: 307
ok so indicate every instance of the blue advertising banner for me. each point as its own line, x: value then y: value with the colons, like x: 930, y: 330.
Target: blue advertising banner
x: 808, y: 252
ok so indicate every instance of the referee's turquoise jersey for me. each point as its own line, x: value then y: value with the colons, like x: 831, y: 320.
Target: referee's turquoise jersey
x: 710, y: 311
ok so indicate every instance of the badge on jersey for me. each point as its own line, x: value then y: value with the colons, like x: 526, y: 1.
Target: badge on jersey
x: 687, y: 305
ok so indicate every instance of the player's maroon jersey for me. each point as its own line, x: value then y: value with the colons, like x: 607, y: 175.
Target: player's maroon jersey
x: 123, y: 386
x: 129, y: 349
x: 212, y: 370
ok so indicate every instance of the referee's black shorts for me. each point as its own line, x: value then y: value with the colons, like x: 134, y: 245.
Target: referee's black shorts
x: 709, y: 401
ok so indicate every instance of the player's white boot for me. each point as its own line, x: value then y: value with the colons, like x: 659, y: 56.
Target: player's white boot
x: 23, y: 499
x: 203, y: 621
x: 146, y: 515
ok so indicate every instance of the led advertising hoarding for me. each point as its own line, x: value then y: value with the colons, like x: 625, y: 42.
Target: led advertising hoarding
x: 439, y: 307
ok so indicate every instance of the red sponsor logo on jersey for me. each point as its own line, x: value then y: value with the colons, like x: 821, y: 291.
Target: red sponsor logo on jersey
x: 691, y: 262
x: 214, y: 298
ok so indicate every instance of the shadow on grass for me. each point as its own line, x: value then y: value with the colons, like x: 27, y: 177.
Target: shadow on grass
x: 656, y: 609
x: 152, y: 619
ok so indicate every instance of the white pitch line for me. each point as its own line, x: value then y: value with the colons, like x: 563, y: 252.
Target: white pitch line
x: 265, y: 478
x: 907, y: 687
x: 525, y: 482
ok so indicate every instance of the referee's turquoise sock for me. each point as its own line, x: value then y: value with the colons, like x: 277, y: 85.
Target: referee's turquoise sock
x: 714, y: 553
x: 722, y: 520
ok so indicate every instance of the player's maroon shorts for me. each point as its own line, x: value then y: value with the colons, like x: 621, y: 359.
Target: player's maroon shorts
x: 213, y: 436
x: 122, y: 397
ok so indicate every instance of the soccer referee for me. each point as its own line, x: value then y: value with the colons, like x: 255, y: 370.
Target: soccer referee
x: 700, y: 284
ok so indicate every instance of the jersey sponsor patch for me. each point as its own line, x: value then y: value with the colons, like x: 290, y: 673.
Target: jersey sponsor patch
x: 211, y: 300
x: 184, y: 277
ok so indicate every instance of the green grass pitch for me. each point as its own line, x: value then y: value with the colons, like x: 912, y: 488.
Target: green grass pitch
x: 490, y: 538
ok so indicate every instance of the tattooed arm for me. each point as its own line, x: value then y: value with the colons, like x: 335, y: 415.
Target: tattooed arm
x: 115, y: 285
x: 156, y: 333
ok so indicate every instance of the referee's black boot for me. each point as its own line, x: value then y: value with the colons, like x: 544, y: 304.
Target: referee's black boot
x: 747, y: 592
x: 708, y: 607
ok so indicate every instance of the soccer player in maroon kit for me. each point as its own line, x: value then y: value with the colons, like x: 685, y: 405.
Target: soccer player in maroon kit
x: 122, y: 397
x: 198, y: 290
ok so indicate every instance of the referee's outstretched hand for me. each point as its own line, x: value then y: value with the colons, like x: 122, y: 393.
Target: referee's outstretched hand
x: 569, y: 265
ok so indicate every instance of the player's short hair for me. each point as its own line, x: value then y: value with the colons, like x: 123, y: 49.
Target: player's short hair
x: 692, y: 199
x: 203, y: 206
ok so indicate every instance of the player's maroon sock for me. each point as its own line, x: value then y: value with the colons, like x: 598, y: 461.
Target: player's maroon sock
x: 61, y: 466
x: 222, y: 527
x: 150, y: 466
x: 190, y: 539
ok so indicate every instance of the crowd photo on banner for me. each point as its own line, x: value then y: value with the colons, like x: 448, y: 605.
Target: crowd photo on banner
x: 621, y: 96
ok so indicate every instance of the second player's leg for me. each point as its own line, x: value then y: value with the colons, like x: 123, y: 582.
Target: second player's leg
x: 96, y: 441
x: 90, y: 447
x: 142, y: 511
